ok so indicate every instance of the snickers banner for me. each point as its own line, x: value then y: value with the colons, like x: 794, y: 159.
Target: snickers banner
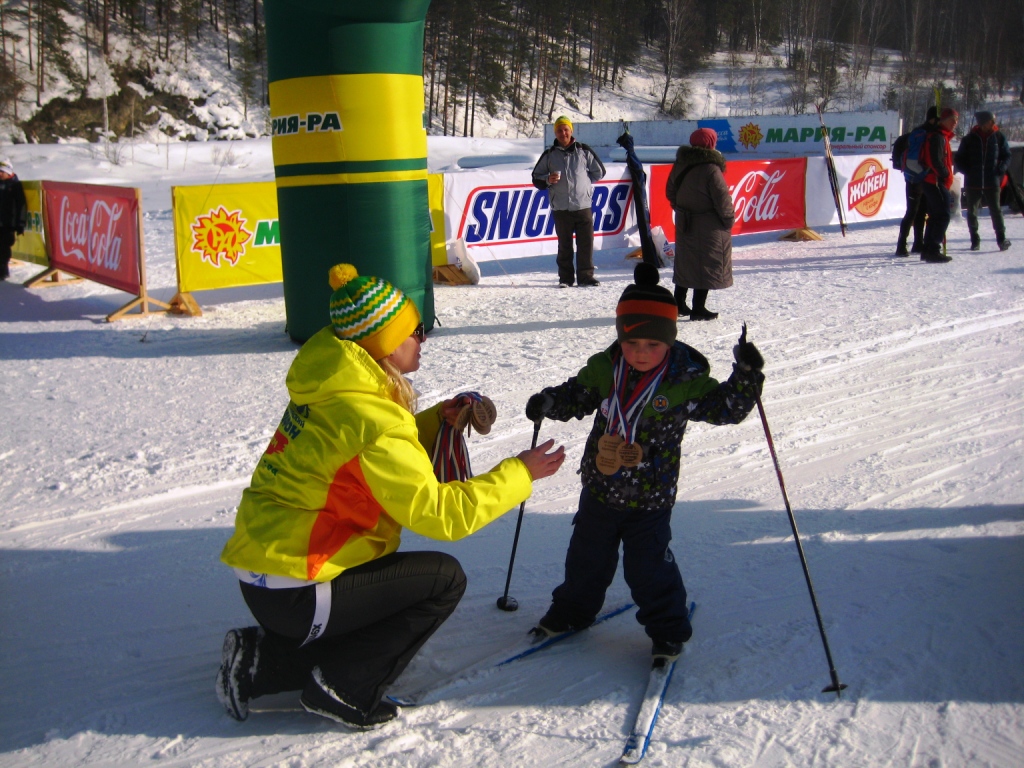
x: 501, y: 214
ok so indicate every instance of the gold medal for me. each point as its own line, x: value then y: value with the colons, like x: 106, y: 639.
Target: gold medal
x: 483, y: 414
x: 630, y: 454
x: 608, y: 461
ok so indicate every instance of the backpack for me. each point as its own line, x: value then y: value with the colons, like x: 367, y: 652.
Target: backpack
x: 898, y: 148
x: 911, y: 163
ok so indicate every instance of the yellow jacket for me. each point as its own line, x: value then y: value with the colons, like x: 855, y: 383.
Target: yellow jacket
x: 346, y: 471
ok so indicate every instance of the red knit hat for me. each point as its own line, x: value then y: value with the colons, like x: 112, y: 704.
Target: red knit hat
x: 704, y: 137
x: 948, y: 112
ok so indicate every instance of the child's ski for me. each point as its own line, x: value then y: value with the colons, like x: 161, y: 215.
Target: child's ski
x: 433, y: 691
x: 640, y: 735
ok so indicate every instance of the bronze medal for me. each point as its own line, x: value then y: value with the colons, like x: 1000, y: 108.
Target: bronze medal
x: 608, y: 461
x: 463, y: 418
x: 630, y: 454
x: 483, y: 415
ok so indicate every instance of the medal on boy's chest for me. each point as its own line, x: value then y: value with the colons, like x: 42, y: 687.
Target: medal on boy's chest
x: 630, y: 454
x: 618, y: 447
x: 608, y: 461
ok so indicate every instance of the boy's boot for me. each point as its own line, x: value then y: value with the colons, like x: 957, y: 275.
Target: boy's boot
x: 1004, y: 244
x: 975, y: 241
x: 901, y: 248
x: 665, y: 651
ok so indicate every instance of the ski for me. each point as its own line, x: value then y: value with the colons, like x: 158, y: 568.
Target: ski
x: 640, y: 735
x: 833, y: 176
x: 433, y: 691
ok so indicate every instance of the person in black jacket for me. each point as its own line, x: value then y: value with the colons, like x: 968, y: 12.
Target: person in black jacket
x: 917, y: 210
x: 13, y: 214
x: 983, y: 157
x: 937, y: 159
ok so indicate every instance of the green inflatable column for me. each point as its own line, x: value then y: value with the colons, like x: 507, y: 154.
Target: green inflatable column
x: 350, y: 149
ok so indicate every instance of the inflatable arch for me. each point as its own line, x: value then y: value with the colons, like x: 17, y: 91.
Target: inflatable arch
x: 350, y: 148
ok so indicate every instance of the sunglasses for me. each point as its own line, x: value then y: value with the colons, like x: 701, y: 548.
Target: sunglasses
x: 420, y: 333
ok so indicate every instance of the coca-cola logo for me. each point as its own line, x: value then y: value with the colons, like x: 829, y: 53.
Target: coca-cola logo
x: 754, y: 196
x: 89, y: 233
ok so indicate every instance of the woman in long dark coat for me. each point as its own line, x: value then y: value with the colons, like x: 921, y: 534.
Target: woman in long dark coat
x: 698, y: 194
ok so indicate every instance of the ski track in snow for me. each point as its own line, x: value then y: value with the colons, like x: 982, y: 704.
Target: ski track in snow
x: 894, y: 400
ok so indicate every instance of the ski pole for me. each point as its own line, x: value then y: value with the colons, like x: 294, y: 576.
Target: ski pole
x: 836, y: 686
x: 505, y: 602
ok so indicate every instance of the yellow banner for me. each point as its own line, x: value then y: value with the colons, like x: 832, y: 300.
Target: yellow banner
x: 31, y: 246
x: 348, y: 118
x: 226, y: 235
x: 435, y: 201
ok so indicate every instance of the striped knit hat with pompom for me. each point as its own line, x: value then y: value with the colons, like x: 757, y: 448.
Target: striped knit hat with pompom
x: 645, y: 309
x: 370, y: 311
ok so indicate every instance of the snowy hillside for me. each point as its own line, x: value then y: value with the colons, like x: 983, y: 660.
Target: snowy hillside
x: 202, y: 96
x: 894, y: 396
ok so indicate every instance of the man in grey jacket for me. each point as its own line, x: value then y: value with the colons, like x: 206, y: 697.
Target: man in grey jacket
x: 568, y: 170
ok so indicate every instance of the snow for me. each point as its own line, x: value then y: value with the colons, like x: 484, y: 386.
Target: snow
x: 894, y: 400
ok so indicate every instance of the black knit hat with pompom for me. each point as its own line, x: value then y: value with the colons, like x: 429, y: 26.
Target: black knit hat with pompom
x: 645, y: 309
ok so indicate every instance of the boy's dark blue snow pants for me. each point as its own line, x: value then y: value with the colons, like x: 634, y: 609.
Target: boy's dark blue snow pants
x: 648, y: 565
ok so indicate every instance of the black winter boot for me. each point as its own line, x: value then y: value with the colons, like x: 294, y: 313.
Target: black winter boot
x: 699, y: 312
x: 320, y: 698
x: 668, y: 650
x: 975, y: 242
x: 680, y: 294
x: 238, y: 662
x: 901, y: 249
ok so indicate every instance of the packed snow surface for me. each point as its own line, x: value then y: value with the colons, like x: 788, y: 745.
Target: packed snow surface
x: 894, y: 395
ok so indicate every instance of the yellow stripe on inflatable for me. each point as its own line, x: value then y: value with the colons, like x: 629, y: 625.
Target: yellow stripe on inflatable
x: 353, y: 118
x: 350, y: 178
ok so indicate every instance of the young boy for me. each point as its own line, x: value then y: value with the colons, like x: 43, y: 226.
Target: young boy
x: 645, y: 388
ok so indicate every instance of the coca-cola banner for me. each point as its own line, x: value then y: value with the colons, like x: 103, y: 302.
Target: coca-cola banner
x: 93, y: 231
x: 870, y: 190
x: 767, y: 195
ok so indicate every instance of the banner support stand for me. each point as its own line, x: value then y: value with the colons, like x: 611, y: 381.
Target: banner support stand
x: 49, y: 278
x: 183, y: 303
x: 143, y: 300
x: 802, y: 234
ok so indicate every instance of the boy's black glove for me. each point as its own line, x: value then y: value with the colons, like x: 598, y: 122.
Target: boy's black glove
x: 538, y: 406
x: 748, y: 358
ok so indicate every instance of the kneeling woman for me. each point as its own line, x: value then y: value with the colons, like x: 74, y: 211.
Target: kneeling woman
x: 341, y: 612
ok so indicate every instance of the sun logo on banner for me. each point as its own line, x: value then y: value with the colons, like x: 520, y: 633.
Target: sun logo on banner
x: 220, y: 234
x: 750, y: 135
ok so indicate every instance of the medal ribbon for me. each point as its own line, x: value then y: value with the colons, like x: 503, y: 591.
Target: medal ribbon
x: 451, y: 456
x: 624, y: 412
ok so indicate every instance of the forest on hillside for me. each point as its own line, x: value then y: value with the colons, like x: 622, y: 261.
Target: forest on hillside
x: 523, y: 57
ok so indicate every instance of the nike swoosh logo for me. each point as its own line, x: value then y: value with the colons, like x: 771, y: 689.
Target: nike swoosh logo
x: 629, y: 328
